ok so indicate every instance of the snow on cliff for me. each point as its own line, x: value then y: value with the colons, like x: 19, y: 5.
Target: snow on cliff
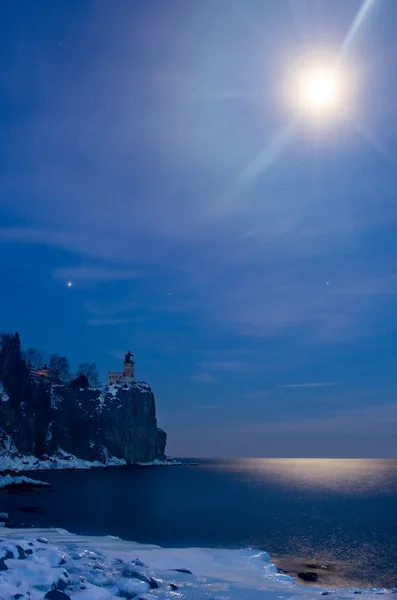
x: 80, y: 428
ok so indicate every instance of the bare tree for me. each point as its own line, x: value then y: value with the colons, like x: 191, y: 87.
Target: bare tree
x: 90, y: 370
x: 59, y: 365
x: 34, y: 357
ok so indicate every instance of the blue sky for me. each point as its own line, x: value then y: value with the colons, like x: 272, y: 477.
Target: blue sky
x: 248, y: 259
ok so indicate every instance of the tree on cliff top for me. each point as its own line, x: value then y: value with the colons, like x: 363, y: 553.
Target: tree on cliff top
x: 13, y: 371
x: 59, y: 365
x: 34, y: 357
x: 89, y: 370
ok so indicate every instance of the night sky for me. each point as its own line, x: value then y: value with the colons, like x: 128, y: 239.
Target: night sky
x: 245, y: 255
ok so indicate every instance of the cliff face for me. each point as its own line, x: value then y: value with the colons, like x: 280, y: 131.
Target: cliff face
x: 91, y: 424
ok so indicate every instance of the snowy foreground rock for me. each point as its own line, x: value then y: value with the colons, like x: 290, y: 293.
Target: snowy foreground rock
x: 8, y: 481
x: 36, y: 561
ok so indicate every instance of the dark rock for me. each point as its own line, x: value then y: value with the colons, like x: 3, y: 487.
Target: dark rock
x: 183, y: 571
x: 308, y: 576
x: 31, y: 544
x: 325, y: 593
x: 17, y: 596
x: 25, y: 487
x: 8, y: 554
x: 21, y: 553
x: 173, y: 586
x: 153, y: 584
x: 34, y: 510
x: 62, y: 585
x: 3, y: 566
x: 137, y: 563
x: 161, y: 442
x: 83, y: 422
x: 322, y: 567
x: 129, y: 571
x: 80, y: 382
x: 29, y: 551
x: 56, y: 595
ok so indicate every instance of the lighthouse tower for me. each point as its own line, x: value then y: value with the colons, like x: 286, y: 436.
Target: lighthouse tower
x: 128, y: 374
x: 129, y: 367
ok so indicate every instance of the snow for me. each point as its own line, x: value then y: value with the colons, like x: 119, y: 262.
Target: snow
x: 161, y: 463
x: 112, y: 390
x: 6, y: 480
x: 11, y: 460
x: 61, y: 460
x: 3, y: 395
x: 95, y: 568
x: 56, y: 400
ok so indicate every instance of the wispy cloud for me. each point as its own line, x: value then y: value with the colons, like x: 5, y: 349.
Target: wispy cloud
x: 104, y: 321
x: 310, y: 384
x: 256, y: 394
x: 367, y: 432
x: 255, y: 276
x: 95, y: 273
x: 226, y: 365
x: 274, y: 304
x: 204, y: 378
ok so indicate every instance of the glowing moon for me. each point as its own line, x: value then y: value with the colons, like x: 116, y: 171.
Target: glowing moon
x: 69, y: 284
x: 320, y: 89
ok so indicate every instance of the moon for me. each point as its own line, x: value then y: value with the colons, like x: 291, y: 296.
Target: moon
x: 319, y: 88
x: 69, y: 284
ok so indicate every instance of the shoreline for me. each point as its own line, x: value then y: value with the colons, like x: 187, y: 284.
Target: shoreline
x: 329, y: 575
x: 315, y: 573
x: 79, y: 561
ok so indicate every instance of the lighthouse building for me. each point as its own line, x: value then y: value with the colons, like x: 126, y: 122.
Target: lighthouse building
x: 128, y: 374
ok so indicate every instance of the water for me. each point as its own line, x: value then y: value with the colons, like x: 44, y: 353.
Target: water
x: 342, y: 512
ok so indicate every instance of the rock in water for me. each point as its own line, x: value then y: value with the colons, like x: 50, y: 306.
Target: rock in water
x: 161, y: 442
x: 183, y: 571
x: 308, y: 576
x: 3, y: 566
x: 56, y: 595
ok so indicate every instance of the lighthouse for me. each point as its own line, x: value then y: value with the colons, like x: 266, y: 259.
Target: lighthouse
x: 128, y: 374
x: 129, y: 366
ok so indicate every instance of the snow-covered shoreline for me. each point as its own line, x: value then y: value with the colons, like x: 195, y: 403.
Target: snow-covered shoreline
x: 106, y: 568
x: 8, y: 481
x: 63, y: 460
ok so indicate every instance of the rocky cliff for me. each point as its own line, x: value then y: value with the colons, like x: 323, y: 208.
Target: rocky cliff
x: 91, y: 424
x: 119, y: 421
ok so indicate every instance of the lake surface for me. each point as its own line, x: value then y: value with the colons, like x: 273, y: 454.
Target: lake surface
x: 338, y: 512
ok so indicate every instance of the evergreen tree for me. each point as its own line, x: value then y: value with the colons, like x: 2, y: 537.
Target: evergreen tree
x: 13, y: 371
